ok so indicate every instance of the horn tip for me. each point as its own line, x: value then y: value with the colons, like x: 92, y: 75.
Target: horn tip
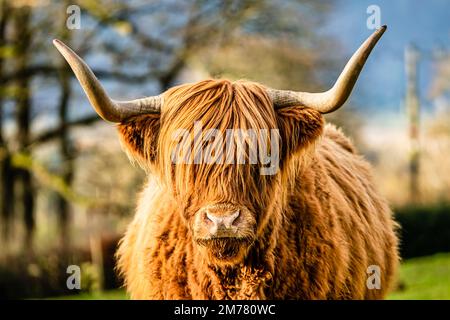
x: 56, y: 42
x: 59, y: 44
x: 380, y: 31
x: 63, y: 49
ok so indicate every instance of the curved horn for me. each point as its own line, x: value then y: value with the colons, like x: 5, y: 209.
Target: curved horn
x: 108, y: 109
x: 332, y: 99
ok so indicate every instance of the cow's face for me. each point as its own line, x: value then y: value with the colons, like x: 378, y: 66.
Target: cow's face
x: 219, y: 148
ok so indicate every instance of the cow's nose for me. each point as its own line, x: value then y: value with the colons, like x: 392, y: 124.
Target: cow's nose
x: 222, y: 222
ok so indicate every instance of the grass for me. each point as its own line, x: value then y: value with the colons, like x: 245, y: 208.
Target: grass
x: 117, y: 294
x: 420, y: 278
x: 425, y: 278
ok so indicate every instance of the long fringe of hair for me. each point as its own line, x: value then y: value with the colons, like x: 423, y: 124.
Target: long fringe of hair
x: 221, y: 105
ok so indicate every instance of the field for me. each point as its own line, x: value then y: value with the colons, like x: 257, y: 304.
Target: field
x: 424, y: 278
x: 420, y: 278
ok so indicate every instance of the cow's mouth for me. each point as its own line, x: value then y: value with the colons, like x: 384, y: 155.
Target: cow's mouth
x: 226, y: 249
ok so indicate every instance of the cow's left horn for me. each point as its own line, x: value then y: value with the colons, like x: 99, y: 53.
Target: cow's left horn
x: 108, y: 109
x: 332, y: 99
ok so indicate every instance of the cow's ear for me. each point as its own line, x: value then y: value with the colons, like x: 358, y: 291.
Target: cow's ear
x: 299, y: 127
x: 139, y: 137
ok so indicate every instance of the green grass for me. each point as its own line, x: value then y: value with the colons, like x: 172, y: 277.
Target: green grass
x: 419, y: 278
x: 117, y: 294
x: 424, y: 278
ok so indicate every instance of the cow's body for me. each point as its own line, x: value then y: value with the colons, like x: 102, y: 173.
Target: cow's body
x: 331, y: 229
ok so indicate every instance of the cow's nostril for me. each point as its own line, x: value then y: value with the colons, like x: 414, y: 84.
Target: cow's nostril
x: 229, y: 220
x: 236, y: 219
x: 233, y: 219
x: 209, y: 218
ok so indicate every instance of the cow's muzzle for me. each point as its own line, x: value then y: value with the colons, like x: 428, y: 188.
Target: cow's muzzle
x: 221, y: 221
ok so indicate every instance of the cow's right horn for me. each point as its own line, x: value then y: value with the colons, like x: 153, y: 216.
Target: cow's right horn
x: 108, y: 109
x: 334, y: 98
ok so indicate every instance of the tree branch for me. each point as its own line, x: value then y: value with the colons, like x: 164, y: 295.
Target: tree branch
x: 54, y: 133
x: 48, y: 70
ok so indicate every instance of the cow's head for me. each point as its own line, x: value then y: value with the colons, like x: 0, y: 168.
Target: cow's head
x: 220, y: 148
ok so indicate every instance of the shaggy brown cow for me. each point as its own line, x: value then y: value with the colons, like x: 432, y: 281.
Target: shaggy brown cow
x: 315, y: 229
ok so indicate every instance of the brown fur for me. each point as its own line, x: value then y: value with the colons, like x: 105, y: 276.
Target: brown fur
x: 319, y: 221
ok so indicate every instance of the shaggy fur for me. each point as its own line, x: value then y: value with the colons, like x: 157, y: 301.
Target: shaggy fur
x: 320, y: 223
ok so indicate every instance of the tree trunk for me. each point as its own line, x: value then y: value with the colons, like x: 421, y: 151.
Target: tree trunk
x: 6, y: 195
x: 65, y: 147
x: 6, y: 171
x: 66, y: 150
x: 22, y: 39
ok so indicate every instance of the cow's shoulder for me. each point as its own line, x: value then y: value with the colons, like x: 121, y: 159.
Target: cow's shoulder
x: 335, y: 134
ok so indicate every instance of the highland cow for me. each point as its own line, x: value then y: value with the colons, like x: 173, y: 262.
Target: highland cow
x: 312, y: 229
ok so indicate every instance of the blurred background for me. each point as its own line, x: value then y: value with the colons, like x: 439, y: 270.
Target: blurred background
x: 67, y: 191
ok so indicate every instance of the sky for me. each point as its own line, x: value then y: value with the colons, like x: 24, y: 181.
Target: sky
x: 426, y: 24
x: 381, y: 85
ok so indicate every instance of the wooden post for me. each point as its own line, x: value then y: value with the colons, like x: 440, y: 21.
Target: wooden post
x: 413, y: 110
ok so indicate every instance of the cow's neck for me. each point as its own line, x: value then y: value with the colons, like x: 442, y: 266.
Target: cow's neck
x: 241, y: 282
